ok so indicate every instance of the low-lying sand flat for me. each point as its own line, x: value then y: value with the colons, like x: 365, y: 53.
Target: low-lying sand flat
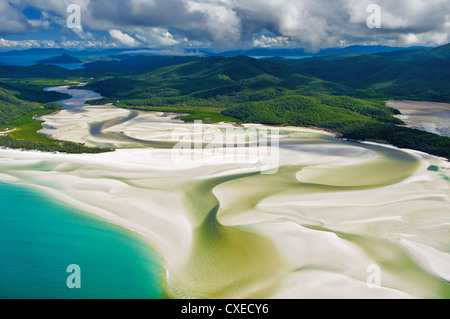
x: 431, y: 117
x: 314, y: 228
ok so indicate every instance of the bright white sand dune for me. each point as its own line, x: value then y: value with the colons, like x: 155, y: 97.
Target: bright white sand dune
x: 309, y: 231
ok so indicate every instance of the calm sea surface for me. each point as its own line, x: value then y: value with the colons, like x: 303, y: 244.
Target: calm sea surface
x: 40, y: 238
x: 28, y: 60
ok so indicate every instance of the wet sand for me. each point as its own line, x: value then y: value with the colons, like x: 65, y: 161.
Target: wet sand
x: 431, y: 117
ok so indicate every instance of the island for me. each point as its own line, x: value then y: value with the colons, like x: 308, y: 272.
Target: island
x: 62, y: 59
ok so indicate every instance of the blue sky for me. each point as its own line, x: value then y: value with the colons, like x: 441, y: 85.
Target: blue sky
x: 222, y: 24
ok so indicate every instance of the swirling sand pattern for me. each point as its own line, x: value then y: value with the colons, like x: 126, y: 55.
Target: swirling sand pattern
x: 227, y: 231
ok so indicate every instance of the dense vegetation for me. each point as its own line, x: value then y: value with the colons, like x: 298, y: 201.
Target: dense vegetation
x: 54, y: 146
x: 39, y: 71
x: 11, y: 107
x: 126, y: 65
x: 340, y: 93
x: 33, y: 91
x: 256, y: 91
x: 361, y: 123
x: 17, y: 116
x: 416, y: 74
x: 219, y: 81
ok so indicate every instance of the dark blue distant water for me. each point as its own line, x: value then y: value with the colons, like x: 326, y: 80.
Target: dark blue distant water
x: 27, y: 60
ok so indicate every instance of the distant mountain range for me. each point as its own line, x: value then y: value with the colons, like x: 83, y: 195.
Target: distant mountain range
x: 257, y: 52
x: 357, y: 49
x: 407, y: 73
x: 343, y: 96
x: 413, y: 74
x: 125, y: 64
x: 59, y: 52
x: 344, y: 93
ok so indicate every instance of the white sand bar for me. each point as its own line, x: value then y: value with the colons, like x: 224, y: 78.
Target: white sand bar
x: 431, y: 117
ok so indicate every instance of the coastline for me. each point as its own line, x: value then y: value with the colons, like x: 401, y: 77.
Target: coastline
x: 51, y: 234
x: 169, y: 228
x: 326, y: 192
x: 432, y: 117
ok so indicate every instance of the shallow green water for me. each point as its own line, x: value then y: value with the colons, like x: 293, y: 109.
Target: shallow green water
x: 40, y: 238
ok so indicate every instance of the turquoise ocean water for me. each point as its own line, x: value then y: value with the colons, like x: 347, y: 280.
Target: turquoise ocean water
x: 40, y: 238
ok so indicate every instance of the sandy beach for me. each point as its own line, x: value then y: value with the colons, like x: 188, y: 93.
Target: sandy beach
x: 224, y: 230
x: 142, y: 191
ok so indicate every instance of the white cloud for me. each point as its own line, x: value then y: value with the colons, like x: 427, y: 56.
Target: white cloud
x: 221, y: 22
x: 158, y: 37
x: 90, y: 44
x: 173, y: 52
x: 271, y: 42
x: 314, y: 24
x: 11, y: 20
x: 40, y: 24
x: 123, y: 38
x: 27, y: 44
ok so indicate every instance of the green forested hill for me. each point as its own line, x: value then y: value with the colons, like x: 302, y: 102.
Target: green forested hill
x: 20, y: 102
x: 61, y: 59
x: 134, y: 65
x: 415, y: 74
x: 214, y: 81
x: 441, y: 52
x: 12, y: 108
x: 259, y: 91
x: 344, y: 94
x: 32, y: 91
x: 20, y: 97
x: 34, y: 72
